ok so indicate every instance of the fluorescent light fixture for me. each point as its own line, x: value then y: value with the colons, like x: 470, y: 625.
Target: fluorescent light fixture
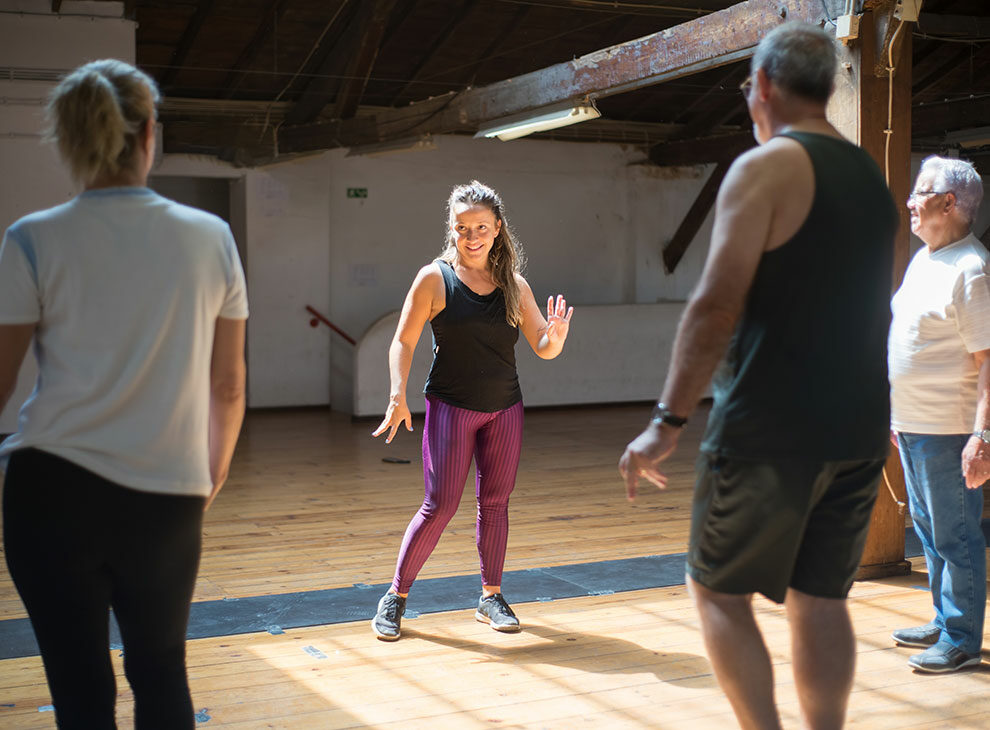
x: 522, y: 124
x: 375, y: 149
x: 966, y: 138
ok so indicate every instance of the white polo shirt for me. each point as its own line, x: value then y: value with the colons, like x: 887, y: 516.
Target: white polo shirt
x: 125, y: 287
x: 941, y: 316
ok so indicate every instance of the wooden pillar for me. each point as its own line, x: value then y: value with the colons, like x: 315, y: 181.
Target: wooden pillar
x: 859, y: 110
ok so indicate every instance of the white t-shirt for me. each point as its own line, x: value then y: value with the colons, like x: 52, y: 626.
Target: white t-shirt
x: 126, y: 287
x: 941, y: 316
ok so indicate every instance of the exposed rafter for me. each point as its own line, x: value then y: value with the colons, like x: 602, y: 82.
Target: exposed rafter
x: 373, y: 26
x: 467, y: 7
x: 269, y: 18
x: 962, y: 25
x: 203, y: 8
x: 326, y: 63
x: 708, y: 42
x: 697, y: 214
x: 934, y: 119
x: 715, y: 110
x: 941, y: 61
x: 701, y: 151
x: 497, y: 39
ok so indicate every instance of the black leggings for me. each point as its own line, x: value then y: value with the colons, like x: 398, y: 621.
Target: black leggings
x: 77, y: 544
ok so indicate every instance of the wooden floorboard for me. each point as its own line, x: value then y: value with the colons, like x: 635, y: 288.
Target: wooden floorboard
x: 632, y: 660
x: 310, y: 505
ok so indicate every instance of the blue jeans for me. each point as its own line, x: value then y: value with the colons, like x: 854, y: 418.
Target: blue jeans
x: 947, y: 518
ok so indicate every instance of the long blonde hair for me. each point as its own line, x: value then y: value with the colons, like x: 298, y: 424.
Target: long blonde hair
x: 96, y: 114
x: 506, y: 259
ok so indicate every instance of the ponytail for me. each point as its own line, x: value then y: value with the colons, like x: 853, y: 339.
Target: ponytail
x: 96, y: 115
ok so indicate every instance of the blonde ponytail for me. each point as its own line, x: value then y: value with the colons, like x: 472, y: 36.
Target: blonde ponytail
x: 96, y: 115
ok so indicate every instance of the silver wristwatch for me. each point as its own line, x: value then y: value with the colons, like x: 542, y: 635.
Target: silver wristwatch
x: 983, y: 435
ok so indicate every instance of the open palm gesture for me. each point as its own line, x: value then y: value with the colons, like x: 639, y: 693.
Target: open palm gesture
x: 558, y: 319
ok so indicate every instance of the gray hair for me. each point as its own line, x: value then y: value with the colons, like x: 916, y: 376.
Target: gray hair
x: 95, y: 115
x: 800, y: 58
x: 958, y: 177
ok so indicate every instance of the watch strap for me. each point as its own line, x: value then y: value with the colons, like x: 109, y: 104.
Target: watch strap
x: 663, y: 415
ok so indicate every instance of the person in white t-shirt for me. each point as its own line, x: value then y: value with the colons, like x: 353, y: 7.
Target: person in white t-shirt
x: 136, y: 306
x: 939, y: 365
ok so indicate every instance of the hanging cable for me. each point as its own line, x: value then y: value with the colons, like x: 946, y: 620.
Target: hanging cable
x: 889, y: 131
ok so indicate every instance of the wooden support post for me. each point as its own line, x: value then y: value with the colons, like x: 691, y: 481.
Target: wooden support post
x: 859, y: 110
x: 688, y: 229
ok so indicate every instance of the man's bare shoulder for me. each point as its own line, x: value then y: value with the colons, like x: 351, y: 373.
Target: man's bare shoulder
x: 779, y: 168
x: 778, y: 159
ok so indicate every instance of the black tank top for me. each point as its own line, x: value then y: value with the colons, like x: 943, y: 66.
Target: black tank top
x: 474, y: 356
x: 806, y: 370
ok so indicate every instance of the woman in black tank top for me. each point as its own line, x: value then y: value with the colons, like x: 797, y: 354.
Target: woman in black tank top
x: 477, y: 302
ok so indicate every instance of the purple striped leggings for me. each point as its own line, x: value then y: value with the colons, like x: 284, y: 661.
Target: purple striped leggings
x: 451, y: 436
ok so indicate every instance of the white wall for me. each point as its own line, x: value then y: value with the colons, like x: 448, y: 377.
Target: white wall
x: 34, y: 43
x: 592, y: 218
x: 603, y: 362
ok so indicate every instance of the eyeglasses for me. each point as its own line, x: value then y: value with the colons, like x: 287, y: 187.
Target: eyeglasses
x: 918, y: 193
x: 746, y: 85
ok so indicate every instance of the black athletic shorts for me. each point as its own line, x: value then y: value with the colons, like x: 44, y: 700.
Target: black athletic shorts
x: 762, y: 527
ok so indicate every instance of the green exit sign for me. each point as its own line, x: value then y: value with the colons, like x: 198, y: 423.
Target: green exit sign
x: 357, y: 192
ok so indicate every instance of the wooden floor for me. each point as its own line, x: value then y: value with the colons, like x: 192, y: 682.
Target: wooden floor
x: 311, y: 505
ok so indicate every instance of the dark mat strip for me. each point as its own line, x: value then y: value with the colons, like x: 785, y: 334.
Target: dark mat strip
x: 275, y: 613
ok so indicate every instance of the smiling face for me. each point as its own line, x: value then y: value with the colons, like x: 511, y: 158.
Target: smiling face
x: 473, y: 229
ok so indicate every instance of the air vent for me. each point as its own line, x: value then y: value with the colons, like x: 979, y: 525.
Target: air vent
x: 20, y: 73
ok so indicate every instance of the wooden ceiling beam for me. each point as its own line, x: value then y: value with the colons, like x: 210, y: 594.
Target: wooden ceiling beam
x: 325, y: 66
x: 467, y: 7
x: 963, y: 25
x: 708, y: 99
x: 397, y: 18
x: 498, y: 39
x: 203, y: 9
x: 707, y: 42
x: 702, y: 151
x: 675, y: 249
x: 363, y: 60
x: 269, y: 19
x: 928, y: 120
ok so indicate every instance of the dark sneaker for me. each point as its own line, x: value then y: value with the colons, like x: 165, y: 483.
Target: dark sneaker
x: 495, y: 611
x: 386, y: 622
x: 943, y: 657
x: 920, y: 636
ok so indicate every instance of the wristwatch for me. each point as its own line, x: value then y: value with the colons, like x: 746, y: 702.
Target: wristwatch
x: 983, y: 435
x: 663, y: 415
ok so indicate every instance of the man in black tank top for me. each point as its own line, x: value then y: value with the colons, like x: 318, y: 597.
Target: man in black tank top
x: 796, y: 299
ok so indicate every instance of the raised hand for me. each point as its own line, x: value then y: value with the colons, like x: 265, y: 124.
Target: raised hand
x: 395, y: 414
x: 558, y: 319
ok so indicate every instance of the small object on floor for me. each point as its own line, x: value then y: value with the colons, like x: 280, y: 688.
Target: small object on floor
x: 942, y: 658
x: 494, y: 610
x: 394, y: 460
x: 920, y: 636
x: 388, y: 619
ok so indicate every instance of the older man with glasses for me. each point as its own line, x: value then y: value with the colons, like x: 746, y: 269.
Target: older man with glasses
x: 939, y: 361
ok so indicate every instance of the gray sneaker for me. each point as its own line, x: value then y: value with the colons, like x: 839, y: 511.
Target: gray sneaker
x: 920, y: 636
x: 943, y: 657
x: 493, y: 610
x: 389, y: 617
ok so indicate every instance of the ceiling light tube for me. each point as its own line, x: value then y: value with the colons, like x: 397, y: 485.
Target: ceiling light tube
x: 522, y: 124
